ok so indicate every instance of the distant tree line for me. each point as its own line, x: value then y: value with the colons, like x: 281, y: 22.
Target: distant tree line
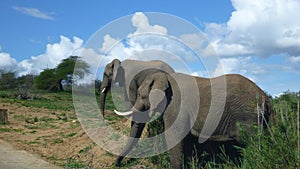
x: 9, y: 80
x: 59, y: 78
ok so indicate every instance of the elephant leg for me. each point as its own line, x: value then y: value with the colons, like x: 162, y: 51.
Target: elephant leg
x: 135, y: 134
x: 176, y: 152
x: 176, y: 156
x: 189, y: 150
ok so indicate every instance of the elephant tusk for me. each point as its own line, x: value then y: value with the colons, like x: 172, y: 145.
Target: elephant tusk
x: 103, y: 90
x: 123, y: 113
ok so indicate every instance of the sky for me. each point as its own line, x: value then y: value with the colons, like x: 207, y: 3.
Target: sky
x: 259, y: 39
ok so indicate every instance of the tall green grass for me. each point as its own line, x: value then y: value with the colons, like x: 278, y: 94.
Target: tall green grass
x: 279, y: 147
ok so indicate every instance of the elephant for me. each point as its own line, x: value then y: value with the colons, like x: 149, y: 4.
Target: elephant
x: 123, y: 73
x: 188, y: 116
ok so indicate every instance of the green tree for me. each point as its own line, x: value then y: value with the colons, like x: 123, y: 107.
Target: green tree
x: 63, y: 75
x: 67, y: 73
x: 7, y: 79
x: 46, y: 80
x: 26, y: 81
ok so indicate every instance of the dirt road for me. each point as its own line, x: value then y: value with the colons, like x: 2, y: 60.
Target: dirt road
x: 10, y: 158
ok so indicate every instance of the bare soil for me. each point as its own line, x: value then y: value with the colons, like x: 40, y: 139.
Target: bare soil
x: 54, y: 135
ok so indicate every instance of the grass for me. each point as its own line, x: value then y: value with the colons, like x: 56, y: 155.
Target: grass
x: 86, y: 149
x: 20, y: 117
x: 2, y: 129
x: 279, y: 148
x: 71, y: 135
x: 276, y: 148
x: 57, y: 140
x: 75, y: 164
x: 40, y: 125
x: 52, y: 101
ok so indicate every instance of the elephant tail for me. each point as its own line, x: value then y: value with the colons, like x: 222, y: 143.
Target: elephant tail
x: 269, y: 113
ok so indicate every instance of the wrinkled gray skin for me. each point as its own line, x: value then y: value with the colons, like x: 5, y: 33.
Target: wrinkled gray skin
x: 242, y: 99
x: 127, y: 74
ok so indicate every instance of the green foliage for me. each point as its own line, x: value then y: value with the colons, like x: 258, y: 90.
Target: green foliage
x: 26, y: 82
x: 47, y: 80
x: 7, y: 80
x: 67, y: 70
x: 70, y: 69
x: 277, y: 148
x: 63, y: 75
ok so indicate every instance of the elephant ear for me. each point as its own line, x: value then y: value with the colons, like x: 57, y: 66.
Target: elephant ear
x: 115, y: 66
x: 157, y: 94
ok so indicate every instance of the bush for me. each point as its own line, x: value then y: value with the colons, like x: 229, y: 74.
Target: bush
x: 279, y: 147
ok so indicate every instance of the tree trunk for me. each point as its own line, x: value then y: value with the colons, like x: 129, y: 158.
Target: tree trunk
x: 60, y: 85
x: 3, y: 116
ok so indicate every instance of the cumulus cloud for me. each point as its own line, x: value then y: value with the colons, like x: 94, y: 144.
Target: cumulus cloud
x: 6, y: 61
x: 108, y: 42
x: 260, y: 28
x: 199, y: 43
x: 144, y: 46
x: 135, y: 42
x: 141, y: 22
x: 239, y: 65
x: 53, y: 55
x: 34, y: 12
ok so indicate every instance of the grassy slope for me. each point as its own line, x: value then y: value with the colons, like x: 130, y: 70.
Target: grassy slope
x: 276, y: 149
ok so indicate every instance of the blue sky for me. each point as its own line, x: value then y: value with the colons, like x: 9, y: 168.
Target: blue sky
x: 259, y: 39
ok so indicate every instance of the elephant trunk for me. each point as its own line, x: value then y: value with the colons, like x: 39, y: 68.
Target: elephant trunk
x: 135, y: 133
x: 104, y: 89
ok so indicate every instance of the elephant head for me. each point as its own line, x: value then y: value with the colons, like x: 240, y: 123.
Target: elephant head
x: 151, y: 97
x: 112, y: 73
x: 128, y: 75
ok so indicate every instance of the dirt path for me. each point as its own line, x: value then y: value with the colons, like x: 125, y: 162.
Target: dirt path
x: 10, y: 158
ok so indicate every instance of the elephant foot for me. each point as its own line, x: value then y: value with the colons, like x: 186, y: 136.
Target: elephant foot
x: 118, y: 161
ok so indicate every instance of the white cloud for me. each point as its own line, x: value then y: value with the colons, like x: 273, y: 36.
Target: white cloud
x: 53, y: 55
x: 136, y: 41
x: 239, y: 65
x: 199, y: 43
x: 6, y: 61
x: 108, y: 42
x: 34, y: 12
x: 141, y: 22
x: 141, y: 45
x: 258, y: 27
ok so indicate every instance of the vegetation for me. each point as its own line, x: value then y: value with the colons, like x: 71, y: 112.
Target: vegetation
x: 278, y: 147
x: 63, y: 75
x: 56, y: 79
